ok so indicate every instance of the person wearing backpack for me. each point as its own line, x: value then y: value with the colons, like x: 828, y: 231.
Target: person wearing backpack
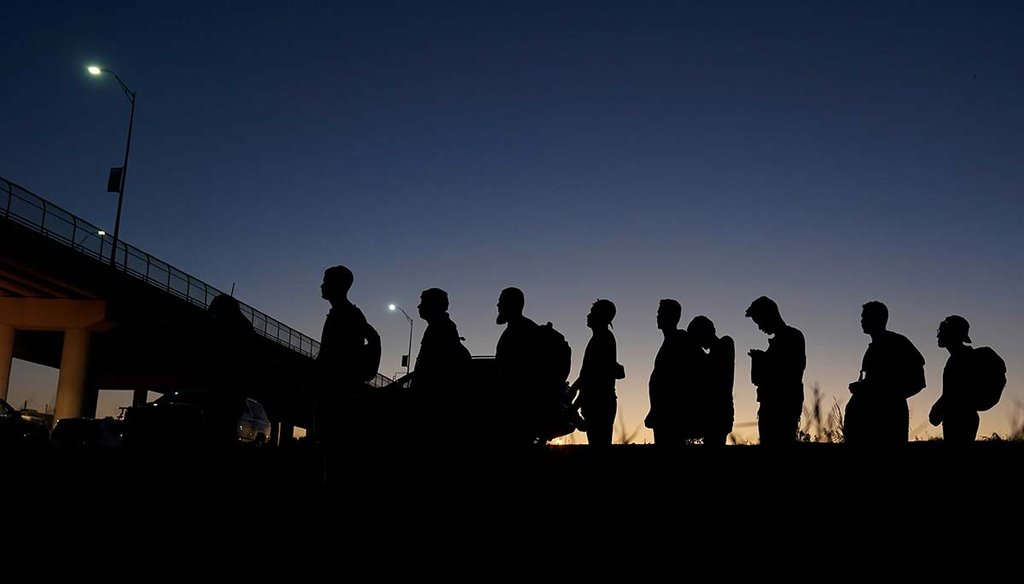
x: 600, y: 369
x: 516, y: 402
x: 349, y: 356
x: 972, y: 380
x: 892, y: 371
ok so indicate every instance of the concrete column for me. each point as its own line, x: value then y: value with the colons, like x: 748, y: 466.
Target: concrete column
x: 73, y: 367
x: 139, y: 397
x: 6, y: 356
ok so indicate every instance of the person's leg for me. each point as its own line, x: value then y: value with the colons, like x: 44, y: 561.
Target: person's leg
x: 960, y: 427
x: 600, y: 417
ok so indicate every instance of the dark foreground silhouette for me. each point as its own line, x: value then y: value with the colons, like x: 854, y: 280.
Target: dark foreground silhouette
x: 778, y: 374
x: 972, y: 380
x: 892, y: 372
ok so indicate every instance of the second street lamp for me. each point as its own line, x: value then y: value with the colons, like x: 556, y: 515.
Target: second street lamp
x: 118, y: 175
x: 408, y: 356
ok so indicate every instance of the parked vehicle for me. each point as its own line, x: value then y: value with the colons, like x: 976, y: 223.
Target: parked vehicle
x: 189, y: 417
x: 87, y: 433
x: 16, y: 432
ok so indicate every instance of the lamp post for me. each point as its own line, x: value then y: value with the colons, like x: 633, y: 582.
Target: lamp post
x: 123, y: 171
x: 408, y: 356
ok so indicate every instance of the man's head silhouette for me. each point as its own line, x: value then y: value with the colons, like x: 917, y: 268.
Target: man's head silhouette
x: 510, y: 304
x: 669, y: 313
x: 701, y: 330
x: 336, y: 284
x: 601, y: 314
x: 765, y: 314
x: 873, y: 317
x: 433, y: 303
x: 953, y: 331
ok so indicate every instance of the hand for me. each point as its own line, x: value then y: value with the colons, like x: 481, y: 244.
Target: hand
x: 935, y: 416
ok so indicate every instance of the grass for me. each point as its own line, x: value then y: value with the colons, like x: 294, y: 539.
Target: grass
x: 819, y: 424
x: 621, y: 435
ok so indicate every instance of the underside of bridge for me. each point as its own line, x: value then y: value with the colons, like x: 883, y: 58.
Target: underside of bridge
x: 105, y: 329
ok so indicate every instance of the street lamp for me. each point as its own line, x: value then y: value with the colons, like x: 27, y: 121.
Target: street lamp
x: 408, y: 357
x: 118, y: 175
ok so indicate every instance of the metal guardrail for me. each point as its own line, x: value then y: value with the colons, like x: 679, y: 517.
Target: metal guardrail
x: 32, y: 211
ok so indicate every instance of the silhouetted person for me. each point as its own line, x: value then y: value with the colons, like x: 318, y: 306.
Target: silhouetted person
x: 519, y: 400
x: 228, y: 314
x: 439, y: 379
x: 891, y: 372
x: 676, y: 382
x: 600, y: 369
x: 955, y: 408
x: 230, y: 372
x: 719, y: 373
x: 340, y: 365
x: 778, y: 374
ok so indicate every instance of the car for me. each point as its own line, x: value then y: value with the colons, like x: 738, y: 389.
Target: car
x: 189, y: 417
x: 16, y: 432
x: 87, y: 433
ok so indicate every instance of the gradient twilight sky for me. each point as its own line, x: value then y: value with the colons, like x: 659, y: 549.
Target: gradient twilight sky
x: 822, y: 153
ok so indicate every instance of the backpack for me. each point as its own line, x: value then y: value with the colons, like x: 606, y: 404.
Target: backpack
x: 553, y: 362
x: 369, y: 358
x: 990, y: 376
x: 554, y: 356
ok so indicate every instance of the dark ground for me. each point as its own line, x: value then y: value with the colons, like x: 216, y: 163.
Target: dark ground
x: 430, y: 512
x: 833, y: 470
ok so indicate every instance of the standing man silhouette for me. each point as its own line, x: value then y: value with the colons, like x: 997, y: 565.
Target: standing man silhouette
x: 341, y: 364
x: 519, y: 398
x: 600, y: 369
x: 955, y: 407
x: 891, y: 372
x: 778, y: 374
x: 676, y: 382
x: 719, y: 374
x: 439, y: 379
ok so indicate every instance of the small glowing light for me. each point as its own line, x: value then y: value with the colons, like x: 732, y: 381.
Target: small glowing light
x: 94, y: 69
x: 392, y: 307
x: 101, y: 233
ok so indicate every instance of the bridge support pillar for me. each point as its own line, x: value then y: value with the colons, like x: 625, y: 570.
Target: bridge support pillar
x: 71, y: 384
x: 6, y: 356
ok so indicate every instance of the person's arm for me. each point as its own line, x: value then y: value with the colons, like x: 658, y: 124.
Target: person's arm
x: 937, y: 413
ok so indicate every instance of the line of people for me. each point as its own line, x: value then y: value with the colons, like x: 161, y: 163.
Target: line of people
x: 691, y: 385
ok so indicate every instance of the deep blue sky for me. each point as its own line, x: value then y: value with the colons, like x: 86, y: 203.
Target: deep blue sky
x: 823, y: 153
